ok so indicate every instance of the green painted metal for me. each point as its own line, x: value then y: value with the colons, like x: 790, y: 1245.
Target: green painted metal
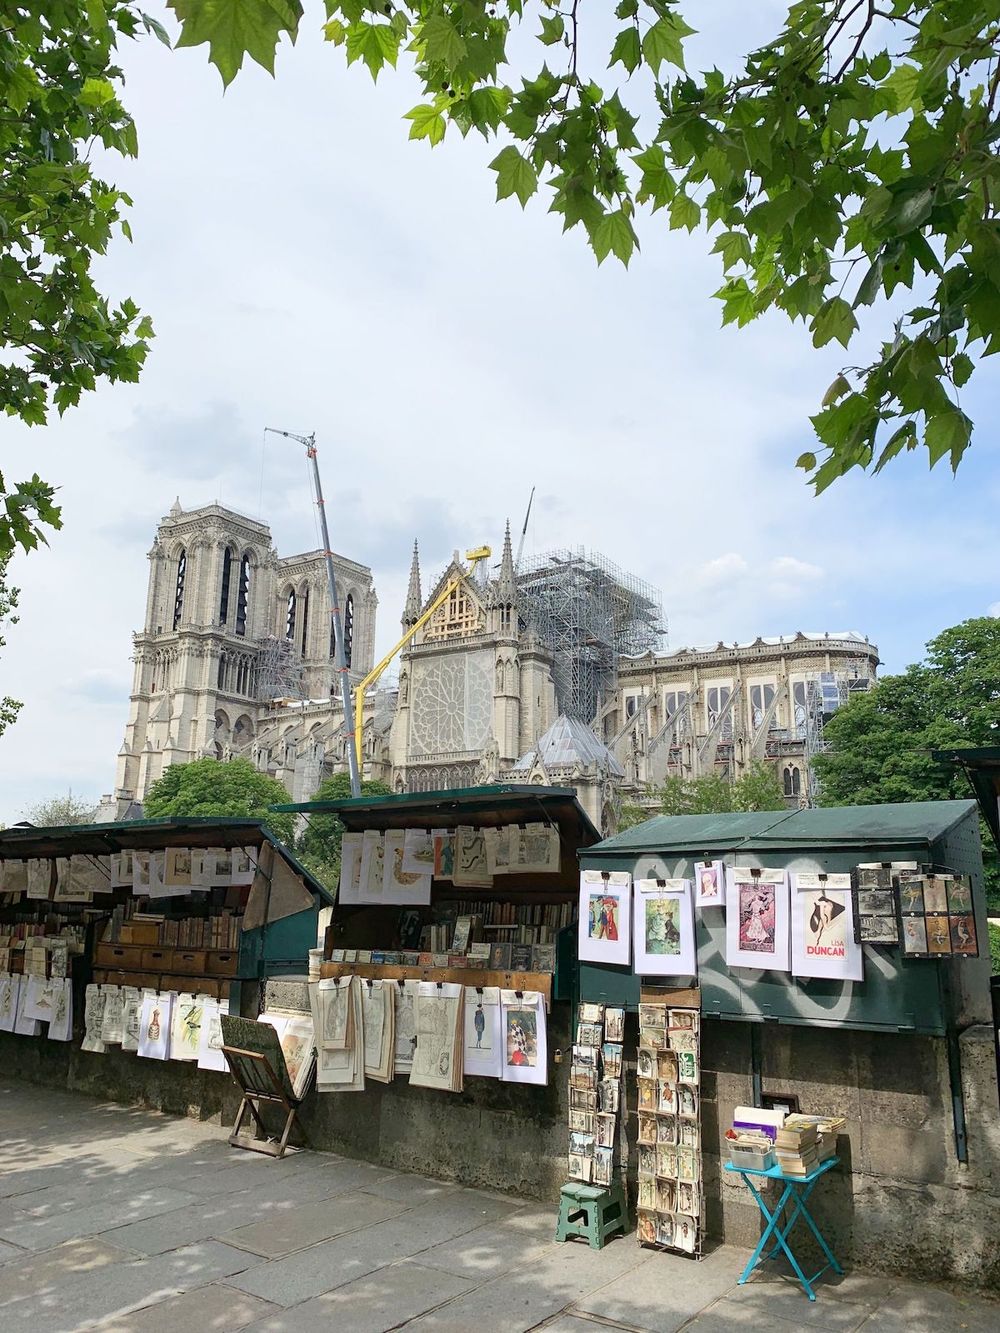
x: 981, y: 766
x: 898, y: 994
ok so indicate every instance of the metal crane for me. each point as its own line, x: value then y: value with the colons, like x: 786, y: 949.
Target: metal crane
x: 339, y: 657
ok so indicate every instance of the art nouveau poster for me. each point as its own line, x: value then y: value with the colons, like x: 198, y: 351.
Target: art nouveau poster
x: 710, y: 884
x: 663, y: 926
x: 350, y: 868
x: 823, y: 943
x: 400, y: 886
x: 605, y: 916
x: 484, y: 1050
x: 757, y: 919
x: 525, y: 1041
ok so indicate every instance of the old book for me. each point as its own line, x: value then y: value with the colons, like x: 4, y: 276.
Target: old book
x: 500, y: 957
x: 543, y: 957
x: 520, y: 957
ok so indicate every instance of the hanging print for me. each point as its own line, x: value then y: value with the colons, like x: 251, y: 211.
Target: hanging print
x: 757, y: 919
x: 710, y: 884
x: 525, y: 1047
x: 663, y: 918
x: 823, y: 940
x: 605, y: 925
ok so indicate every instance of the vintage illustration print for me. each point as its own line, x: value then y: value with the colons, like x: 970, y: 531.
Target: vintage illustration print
x: 756, y: 909
x: 914, y: 934
x: 662, y: 925
x: 522, y: 1037
x: 963, y: 934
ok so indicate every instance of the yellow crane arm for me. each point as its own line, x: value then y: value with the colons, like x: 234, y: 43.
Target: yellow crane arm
x: 480, y: 553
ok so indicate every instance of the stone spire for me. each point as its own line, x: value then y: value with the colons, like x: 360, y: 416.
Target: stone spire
x: 507, y: 583
x: 414, y: 600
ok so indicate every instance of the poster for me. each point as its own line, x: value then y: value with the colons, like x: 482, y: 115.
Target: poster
x: 823, y: 939
x: 400, y: 886
x: 484, y: 1049
x: 710, y: 884
x: 525, y: 1040
x: 418, y: 851
x: 663, y: 927
x: 13, y: 877
x: 605, y: 926
x: 757, y: 919
x: 350, y: 868
x: 372, y: 869
x: 210, y: 1034
x: 185, y: 1026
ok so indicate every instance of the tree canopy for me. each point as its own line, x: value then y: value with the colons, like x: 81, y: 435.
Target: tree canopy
x: 849, y: 160
x: 880, y: 742
x: 232, y: 788
x: 59, y: 336
x: 319, y: 844
x: 58, y: 811
x: 9, y: 708
x: 757, y: 788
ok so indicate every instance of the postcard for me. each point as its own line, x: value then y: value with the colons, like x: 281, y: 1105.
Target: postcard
x: 603, y: 1166
x: 646, y: 1228
x: 581, y: 1144
x: 606, y: 1129
x: 609, y: 1095
x: 914, y: 935
x: 936, y: 893
x: 710, y: 884
x: 653, y: 1016
x: 963, y: 934
x: 647, y: 1094
x: 645, y: 1063
x: 666, y: 1196
x: 580, y: 1168
x: 960, y: 895
x: 591, y: 1013
x: 666, y: 1098
x: 647, y: 1160
x: 687, y: 1165
x: 589, y: 1034
x: 614, y: 1019
x: 647, y: 1192
x: 664, y: 1229
x: 582, y: 1121
x: 666, y: 1160
x: 687, y: 1101
x: 653, y: 1039
x: 612, y: 1056
x: 647, y: 1128
x: 666, y: 1129
x: 666, y: 1066
x: 688, y: 1133
x: 687, y: 1066
x: 685, y: 1233
x: 938, y: 934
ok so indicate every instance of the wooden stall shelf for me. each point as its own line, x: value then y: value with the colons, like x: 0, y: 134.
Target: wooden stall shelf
x: 679, y: 997
x: 157, y: 960
x: 162, y: 981
x: 463, y: 976
x: 118, y: 955
x: 222, y: 962
x: 189, y: 960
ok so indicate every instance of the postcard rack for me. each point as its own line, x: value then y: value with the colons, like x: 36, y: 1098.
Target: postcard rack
x: 462, y: 976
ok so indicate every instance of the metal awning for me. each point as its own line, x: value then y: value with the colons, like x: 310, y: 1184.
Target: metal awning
x: 981, y: 765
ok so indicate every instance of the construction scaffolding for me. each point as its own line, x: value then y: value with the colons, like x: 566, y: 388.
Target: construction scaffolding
x: 826, y: 692
x: 279, y: 671
x: 588, y: 613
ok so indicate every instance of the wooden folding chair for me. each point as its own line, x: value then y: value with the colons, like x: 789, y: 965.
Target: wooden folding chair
x: 261, y: 1084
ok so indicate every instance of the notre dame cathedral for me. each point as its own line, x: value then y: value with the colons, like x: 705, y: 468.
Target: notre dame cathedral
x: 546, y: 671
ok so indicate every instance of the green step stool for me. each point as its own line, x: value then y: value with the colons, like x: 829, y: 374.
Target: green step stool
x: 593, y: 1211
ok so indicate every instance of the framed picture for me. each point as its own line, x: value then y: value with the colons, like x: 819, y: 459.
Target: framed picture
x: 709, y: 884
x: 757, y: 919
x: 605, y: 916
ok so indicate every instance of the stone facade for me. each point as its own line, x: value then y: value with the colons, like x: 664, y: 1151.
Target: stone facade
x: 699, y: 710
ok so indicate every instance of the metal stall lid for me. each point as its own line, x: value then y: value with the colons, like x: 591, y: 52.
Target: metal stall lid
x: 897, y: 994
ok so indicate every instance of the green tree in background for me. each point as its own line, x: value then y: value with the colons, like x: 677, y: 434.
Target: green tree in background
x: 59, y: 811
x: 319, y: 845
x: 59, y: 336
x: 880, y: 742
x: 757, y: 789
x: 847, y: 160
x: 233, y: 789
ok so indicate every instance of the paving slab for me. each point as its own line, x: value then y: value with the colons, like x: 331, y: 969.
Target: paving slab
x: 41, y: 1233
x: 295, y: 1228
x: 40, y: 1274
x: 828, y: 1315
x: 216, y: 1308
x: 8, y: 1251
x: 118, y: 1288
x: 722, y: 1318
x: 372, y: 1304
x: 665, y: 1290
x: 491, y: 1250
x: 510, y: 1304
x: 911, y: 1306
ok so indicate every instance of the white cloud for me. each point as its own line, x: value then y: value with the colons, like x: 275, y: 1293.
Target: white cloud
x: 789, y: 569
x: 724, y: 569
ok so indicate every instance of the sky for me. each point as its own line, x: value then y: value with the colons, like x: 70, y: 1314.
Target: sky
x: 306, y: 267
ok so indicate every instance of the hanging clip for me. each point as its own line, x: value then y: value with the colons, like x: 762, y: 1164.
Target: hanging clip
x: 479, y: 990
x: 519, y: 994
x: 661, y: 883
x: 755, y: 871
x: 605, y: 875
x: 439, y: 984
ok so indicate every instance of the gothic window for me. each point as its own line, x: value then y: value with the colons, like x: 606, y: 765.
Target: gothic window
x: 674, y: 701
x: 179, y: 588
x: 792, y: 781
x: 456, y: 618
x: 290, y: 615
x: 630, y: 703
x: 227, y: 574
x: 349, y: 628
x: 717, y: 698
x: 221, y: 679
x: 243, y: 598
x: 761, y: 698
x: 304, y: 632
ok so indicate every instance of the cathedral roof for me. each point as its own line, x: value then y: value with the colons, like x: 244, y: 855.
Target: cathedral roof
x: 567, y: 742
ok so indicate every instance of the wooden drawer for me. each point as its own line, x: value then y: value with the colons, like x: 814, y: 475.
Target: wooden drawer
x: 223, y: 962
x: 157, y: 960
x: 127, y: 956
x: 189, y: 961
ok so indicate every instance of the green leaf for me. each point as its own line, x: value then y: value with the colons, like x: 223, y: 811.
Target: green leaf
x: 948, y: 433
x: 487, y: 107
x: 837, y: 389
x: 441, y: 41
x: 906, y: 437
x: 834, y: 319
x: 739, y: 303
x: 904, y: 85
x: 428, y: 123
x: 663, y: 42
x: 806, y: 461
x: 377, y: 44
x: 684, y: 212
x: 515, y: 175
x: 552, y: 30
x: 237, y: 28
x: 614, y: 235
x: 626, y: 50
x: 961, y: 369
x: 871, y: 284
x: 96, y: 92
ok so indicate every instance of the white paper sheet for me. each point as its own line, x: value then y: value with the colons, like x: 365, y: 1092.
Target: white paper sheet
x: 525, y: 1038
x: 823, y: 943
x: 484, y: 1049
x: 113, y: 1017
x: 13, y: 877
x: 23, y: 1025
x: 418, y: 851
x: 710, y: 884
x: 93, y: 1019
x: 154, y: 1025
x: 39, y: 877
x: 371, y: 874
x: 757, y: 919
x: 10, y: 984
x: 605, y: 934
x: 185, y: 1026
x: 131, y: 1012
x: 350, y: 868
x: 664, y: 933
x: 401, y: 887
x: 61, y: 1022
x: 210, y: 1035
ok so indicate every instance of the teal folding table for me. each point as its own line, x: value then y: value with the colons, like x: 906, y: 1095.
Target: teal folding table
x: 796, y: 1192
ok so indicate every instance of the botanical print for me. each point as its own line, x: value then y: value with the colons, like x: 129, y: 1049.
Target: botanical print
x: 522, y: 1037
x: 756, y: 909
x: 663, y: 925
x: 603, y: 917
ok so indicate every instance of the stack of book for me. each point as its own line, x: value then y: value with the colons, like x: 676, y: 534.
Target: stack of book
x: 827, y: 1128
x: 796, y: 1148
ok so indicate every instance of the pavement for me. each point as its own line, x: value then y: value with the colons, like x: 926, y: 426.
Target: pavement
x: 126, y: 1220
